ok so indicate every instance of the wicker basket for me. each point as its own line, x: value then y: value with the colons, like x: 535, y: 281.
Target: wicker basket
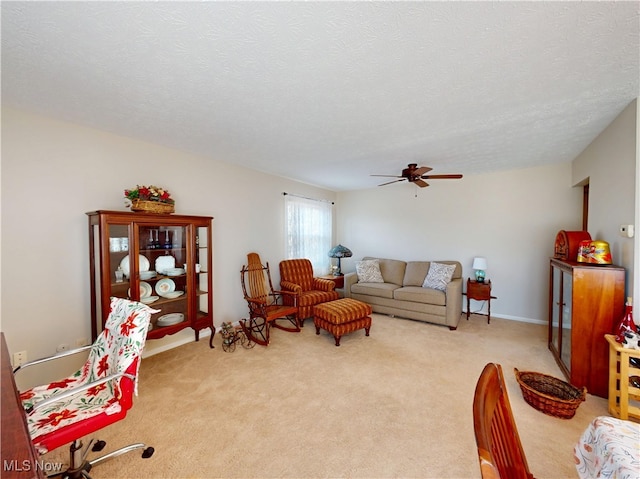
x: 550, y: 395
x: 144, y: 206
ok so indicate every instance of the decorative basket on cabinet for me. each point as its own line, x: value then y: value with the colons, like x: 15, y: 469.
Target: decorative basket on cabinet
x: 150, y: 199
x: 146, y: 206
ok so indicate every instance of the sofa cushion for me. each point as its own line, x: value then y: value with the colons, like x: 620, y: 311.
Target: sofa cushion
x: 392, y: 270
x: 415, y: 273
x: 439, y: 276
x: 369, y: 271
x: 418, y: 294
x: 457, y: 272
x: 384, y: 290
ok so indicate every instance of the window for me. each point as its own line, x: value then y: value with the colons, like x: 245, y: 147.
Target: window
x: 308, y: 231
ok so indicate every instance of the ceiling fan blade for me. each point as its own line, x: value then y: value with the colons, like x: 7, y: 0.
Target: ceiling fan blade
x: 422, y: 170
x: 389, y: 176
x: 421, y: 184
x: 442, y: 177
x: 394, y: 181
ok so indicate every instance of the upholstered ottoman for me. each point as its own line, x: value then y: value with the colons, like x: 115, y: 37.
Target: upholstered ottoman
x: 341, y: 317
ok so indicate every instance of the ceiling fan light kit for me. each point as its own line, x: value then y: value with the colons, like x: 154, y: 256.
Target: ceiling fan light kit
x: 416, y: 175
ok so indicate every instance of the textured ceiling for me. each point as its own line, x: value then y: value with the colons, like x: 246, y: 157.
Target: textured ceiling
x: 331, y: 92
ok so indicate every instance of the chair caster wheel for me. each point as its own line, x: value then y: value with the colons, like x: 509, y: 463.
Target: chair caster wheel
x: 98, y: 446
x: 148, y: 452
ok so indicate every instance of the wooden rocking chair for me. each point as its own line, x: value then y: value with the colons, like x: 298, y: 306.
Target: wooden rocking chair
x: 266, y: 306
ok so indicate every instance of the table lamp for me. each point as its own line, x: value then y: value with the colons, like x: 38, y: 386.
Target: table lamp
x: 480, y: 265
x: 339, y: 252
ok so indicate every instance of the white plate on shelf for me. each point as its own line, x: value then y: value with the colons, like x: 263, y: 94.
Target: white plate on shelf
x: 170, y: 319
x: 173, y: 294
x: 165, y: 286
x: 143, y: 263
x: 147, y: 274
x: 149, y: 299
x: 145, y: 290
x: 174, y: 271
x: 164, y: 263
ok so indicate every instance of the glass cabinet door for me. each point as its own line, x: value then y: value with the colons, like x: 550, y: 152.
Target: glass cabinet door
x: 109, y: 278
x: 555, y: 311
x: 199, y: 269
x: 118, y: 263
x: 565, y: 353
x: 160, y: 279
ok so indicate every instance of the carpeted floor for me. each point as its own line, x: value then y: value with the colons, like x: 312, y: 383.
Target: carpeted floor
x: 395, y: 404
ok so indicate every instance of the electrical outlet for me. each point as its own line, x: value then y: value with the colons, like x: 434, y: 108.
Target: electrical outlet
x: 626, y: 231
x: 62, y: 347
x: 19, y: 358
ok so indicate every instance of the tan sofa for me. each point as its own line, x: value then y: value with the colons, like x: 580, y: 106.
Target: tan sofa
x: 402, y: 293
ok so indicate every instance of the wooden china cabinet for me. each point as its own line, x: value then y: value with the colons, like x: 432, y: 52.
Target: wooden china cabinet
x: 163, y: 260
x: 585, y: 303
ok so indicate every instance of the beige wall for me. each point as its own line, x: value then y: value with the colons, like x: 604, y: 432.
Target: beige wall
x: 609, y: 165
x: 511, y: 218
x: 54, y: 172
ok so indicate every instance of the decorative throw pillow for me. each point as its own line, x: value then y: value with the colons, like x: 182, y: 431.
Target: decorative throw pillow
x: 439, y: 276
x: 368, y: 271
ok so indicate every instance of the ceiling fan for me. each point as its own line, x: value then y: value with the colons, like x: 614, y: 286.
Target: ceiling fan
x: 416, y: 175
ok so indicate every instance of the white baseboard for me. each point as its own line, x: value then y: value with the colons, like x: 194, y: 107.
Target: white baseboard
x: 156, y: 346
x: 512, y: 318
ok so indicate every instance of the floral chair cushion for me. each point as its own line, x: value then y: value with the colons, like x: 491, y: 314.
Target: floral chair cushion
x: 116, y: 349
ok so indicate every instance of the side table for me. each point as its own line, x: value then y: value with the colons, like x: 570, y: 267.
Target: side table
x: 338, y: 280
x: 479, y: 292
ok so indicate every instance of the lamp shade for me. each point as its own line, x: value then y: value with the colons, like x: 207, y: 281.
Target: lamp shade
x: 479, y: 263
x: 340, y: 252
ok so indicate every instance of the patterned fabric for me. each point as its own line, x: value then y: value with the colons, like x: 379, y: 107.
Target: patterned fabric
x: 297, y: 275
x: 439, y: 276
x: 609, y: 448
x: 297, y: 271
x: 115, y: 350
x: 311, y: 298
x: 339, y: 330
x: 323, y: 284
x: 368, y: 271
x: 342, y: 310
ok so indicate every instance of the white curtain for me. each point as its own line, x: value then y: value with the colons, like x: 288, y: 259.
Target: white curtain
x: 308, y: 231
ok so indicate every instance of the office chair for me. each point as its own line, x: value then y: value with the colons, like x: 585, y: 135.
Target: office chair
x: 97, y: 395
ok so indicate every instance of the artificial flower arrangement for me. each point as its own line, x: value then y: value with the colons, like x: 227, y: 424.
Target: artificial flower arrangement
x: 149, y: 193
x: 150, y: 199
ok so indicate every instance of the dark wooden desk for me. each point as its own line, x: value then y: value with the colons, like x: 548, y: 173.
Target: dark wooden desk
x: 19, y: 456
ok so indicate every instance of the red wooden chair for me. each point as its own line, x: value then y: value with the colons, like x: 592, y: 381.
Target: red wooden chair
x: 499, y: 448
